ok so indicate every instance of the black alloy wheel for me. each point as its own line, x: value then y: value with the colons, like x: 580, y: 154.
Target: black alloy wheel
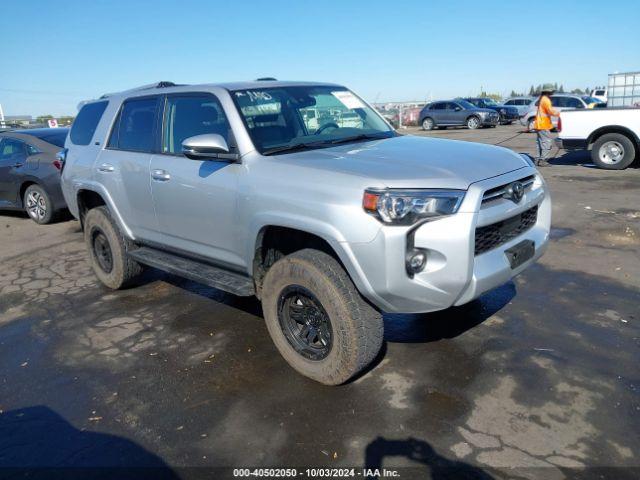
x: 305, y: 323
x: 102, y: 250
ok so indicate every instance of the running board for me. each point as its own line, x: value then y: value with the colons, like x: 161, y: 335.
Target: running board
x: 194, y: 270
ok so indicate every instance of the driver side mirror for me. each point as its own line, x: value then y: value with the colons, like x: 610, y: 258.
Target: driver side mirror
x: 207, y: 146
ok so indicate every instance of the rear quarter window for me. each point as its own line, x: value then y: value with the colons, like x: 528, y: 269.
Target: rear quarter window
x: 86, y: 123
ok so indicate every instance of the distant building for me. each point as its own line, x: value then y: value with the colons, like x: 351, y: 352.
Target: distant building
x: 19, y: 119
x: 624, y: 89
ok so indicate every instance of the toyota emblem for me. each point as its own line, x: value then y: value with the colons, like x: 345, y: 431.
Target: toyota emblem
x: 515, y: 192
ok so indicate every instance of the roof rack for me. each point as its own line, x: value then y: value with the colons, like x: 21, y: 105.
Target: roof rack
x: 266, y: 79
x: 163, y: 84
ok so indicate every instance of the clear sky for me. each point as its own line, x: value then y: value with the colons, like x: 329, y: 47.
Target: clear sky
x: 55, y: 53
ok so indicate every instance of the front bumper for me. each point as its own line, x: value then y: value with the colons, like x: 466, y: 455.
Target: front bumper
x: 490, y: 120
x: 454, y: 274
x: 509, y: 116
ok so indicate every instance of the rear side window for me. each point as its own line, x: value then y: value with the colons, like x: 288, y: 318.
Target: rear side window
x: 135, y: 128
x: 86, y: 123
x: 10, y: 149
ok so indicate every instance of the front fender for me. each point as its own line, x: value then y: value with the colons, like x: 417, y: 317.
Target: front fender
x: 327, y: 232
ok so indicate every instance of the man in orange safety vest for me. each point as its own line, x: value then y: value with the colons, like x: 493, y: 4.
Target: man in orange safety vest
x: 543, y: 126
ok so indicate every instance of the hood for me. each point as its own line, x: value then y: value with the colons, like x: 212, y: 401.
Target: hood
x: 411, y: 162
x: 508, y: 108
x: 481, y: 109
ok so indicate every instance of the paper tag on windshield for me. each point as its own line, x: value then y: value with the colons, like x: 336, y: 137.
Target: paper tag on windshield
x: 348, y: 99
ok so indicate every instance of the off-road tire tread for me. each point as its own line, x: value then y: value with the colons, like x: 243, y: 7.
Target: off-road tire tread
x: 362, y: 319
x: 126, y: 268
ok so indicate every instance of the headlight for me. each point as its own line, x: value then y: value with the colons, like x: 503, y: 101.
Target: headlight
x: 406, y: 207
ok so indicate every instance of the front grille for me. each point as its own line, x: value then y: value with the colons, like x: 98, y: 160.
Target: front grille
x: 496, y: 234
x: 499, y: 192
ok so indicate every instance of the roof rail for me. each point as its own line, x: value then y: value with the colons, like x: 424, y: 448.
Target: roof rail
x: 266, y: 79
x: 163, y: 84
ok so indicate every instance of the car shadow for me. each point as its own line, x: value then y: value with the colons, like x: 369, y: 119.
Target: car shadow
x: 59, y: 217
x: 398, y: 327
x: 449, y: 323
x: 430, y: 464
x: 37, y: 443
x: 15, y: 214
x: 572, y: 157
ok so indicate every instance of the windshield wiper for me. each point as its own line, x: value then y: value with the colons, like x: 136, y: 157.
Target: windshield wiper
x: 362, y: 136
x: 294, y: 148
x: 311, y: 145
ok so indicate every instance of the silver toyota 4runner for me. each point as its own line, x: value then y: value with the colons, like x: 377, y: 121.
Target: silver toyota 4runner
x: 300, y: 194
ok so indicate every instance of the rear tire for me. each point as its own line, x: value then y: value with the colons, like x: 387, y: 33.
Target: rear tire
x: 107, y: 249
x: 38, y: 205
x: 428, y: 124
x: 613, y: 151
x: 315, y: 282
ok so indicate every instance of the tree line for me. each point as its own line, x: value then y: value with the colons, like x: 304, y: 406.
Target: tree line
x: 534, y: 91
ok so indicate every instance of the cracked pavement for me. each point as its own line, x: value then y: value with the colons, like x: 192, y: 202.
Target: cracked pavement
x: 536, y: 379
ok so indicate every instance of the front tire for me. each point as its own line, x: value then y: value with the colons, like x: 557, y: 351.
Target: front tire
x: 38, y: 205
x: 473, y: 123
x: 613, y: 151
x: 317, y: 319
x: 107, y: 248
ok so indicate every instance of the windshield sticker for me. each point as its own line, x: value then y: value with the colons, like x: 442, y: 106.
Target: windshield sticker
x: 255, y: 96
x: 348, y: 99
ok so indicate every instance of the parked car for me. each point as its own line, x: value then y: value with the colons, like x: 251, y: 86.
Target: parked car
x: 612, y: 135
x: 599, y: 94
x: 329, y: 227
x: 522, y: 104
x: 560, y: 102
x: 30, y: 172
x: 391, y: 116
x: 508, y: 114
x: 450, y: 113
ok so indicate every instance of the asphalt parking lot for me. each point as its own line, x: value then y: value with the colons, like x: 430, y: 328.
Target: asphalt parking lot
x: 536, y: 379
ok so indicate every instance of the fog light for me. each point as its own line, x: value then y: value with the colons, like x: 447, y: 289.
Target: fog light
x: 416, y: 261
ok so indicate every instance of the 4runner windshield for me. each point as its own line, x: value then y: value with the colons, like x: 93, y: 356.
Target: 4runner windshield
x: 287, y: 119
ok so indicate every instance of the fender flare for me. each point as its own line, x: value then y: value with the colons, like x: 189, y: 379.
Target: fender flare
x: 326, y: 232
x: 108, y: 200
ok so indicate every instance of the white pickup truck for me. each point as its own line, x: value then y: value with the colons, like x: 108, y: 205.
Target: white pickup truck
x: 612, y: 134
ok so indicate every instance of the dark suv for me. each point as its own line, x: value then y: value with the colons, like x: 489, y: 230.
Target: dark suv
x: 458, y: 112
x: 508, y: 115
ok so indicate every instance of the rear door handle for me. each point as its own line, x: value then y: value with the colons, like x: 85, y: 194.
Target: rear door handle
x: 160, y: 175
x: 106, y: 168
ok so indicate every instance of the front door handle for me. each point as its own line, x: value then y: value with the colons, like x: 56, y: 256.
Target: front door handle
x: 17, y: 165
x: 106, y: 168
x: 160, y: 175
